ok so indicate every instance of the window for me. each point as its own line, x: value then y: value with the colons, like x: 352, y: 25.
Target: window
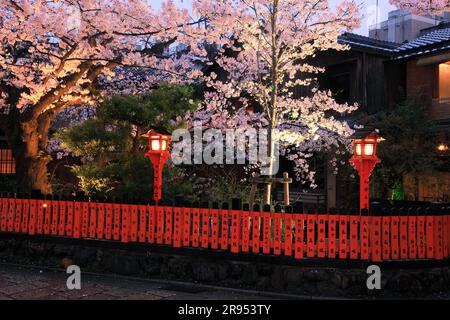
x: 444, y: 80
x: 7, y: 163
x: 338, y: 84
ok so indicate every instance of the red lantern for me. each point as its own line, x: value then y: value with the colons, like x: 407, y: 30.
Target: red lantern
x: 364, y: 160
x: 158, y: 154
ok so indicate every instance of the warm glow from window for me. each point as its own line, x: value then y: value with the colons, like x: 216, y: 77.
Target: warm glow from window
x: 164, y: 145
x: 7, y: 162
x: 358, y: 149
x: 155, y: 145
x: 368, y: 149
x: 442, y: 147
x: 444, y: 80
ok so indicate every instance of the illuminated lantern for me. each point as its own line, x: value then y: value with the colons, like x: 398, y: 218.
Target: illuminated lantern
x: 364, y: 160
x: 158, y: 153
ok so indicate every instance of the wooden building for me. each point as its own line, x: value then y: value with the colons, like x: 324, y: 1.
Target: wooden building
x: 378, y: 74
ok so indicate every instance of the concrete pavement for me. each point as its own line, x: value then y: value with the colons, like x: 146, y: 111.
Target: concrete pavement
x: 29, y: 283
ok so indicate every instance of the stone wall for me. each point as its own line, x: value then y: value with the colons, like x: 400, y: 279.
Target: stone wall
x: 327, y: 282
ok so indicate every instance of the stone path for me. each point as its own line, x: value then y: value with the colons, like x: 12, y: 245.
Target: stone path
x: 26, y: 283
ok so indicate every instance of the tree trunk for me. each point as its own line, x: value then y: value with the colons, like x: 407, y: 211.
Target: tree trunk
x: 32, y: 174
x: 28, y: 141
x: 268, y: 186
x: 272, y: 108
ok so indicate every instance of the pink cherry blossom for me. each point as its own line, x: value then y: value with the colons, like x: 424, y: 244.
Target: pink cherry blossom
x: 423, y: 6
x: 273, y: 40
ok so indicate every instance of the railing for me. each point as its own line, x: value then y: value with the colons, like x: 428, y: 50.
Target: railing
x: 391, y: 234
x: 440, y: 109
x: 314, y: 198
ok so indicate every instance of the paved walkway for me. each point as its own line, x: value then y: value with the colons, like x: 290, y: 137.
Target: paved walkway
x: 26, y: 283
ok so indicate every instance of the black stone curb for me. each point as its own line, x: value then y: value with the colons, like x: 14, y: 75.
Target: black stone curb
x: 227, y: 256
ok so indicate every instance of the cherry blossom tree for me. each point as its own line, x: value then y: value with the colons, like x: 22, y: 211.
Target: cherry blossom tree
x: 423, y: 6
x: 62, y: 53
x: 271, y: 43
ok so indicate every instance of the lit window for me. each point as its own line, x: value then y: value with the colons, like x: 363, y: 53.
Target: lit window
x: 155, y: 145
x: 442, y: 147
x: 358, y: 149
x: 7, y: 163
x: 368, y: 149
x: 444, y: 80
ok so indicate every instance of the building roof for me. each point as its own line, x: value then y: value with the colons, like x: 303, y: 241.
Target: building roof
x: 435, y: 39
x: 367, y: 42
x: 431, y: 42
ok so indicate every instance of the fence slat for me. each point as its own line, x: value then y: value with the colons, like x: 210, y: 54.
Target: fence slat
x: 33, y: 217
x: 47, y: 207
x: 310, y: 235
x: 168, y: 228
x: 26, y: 216
x: 18, y: 216
x: 445, y: 233
x: 299, y: 233
x: 215, y: 228
x: 117, y: 221
x: 11, y: 207
x: 256, y: 232
x: 100, y: 220
x: 395, y: 244
x: 403, y: 234
x: 438, y: 234
x: 126, y: 223
x: 92, y: 219
x: 266, y: 232
x: 152, y: 222
x: 245, y: 230
x: 69, y: 220
x: 375, y: 234
x: 276, y: 220
x: 354, y: 243
x: 62, y: 217
x: 177, y: 225
x: 364, y: 234
x: 77, y: 219
x: 288, y: 233
x: 421, y: 225
x: 429, y: 230
x: 142, y: 223
x: 55, y: 216
x: 134, y: 222
x: 412, y: 235
x: 195, y: 226
x: 235, y: 231
x: 205, y: 227
x: 187, y: 226
x: 385, y: 234
x: 4, y: 215
x: 343, y: 227
x: 225, y: 227
x: 85, y: 219
x: 109, y: 221
x: 332, y: 248
x: 321, y: 225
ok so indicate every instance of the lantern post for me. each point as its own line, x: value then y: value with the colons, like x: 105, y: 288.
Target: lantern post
x: 158, y: 154
x: 364, y: 160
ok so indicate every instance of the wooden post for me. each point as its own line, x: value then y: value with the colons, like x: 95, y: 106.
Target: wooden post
x: 286, y: 182
x: 253, y: 190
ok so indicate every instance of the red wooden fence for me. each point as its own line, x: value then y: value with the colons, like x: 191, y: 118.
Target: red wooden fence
x: 385, y: 235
